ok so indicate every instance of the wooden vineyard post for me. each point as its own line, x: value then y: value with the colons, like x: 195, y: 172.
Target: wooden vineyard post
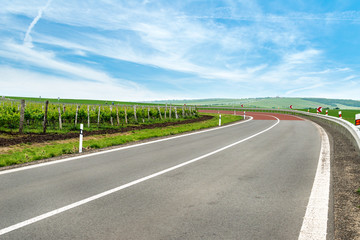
x: 88, y: 112
x: 148, y: 113
x: 160, y: 113
x: 117, y: 115
x: 98, y: 122
x: 76, y: 114
x: 22, y: 116
x: 165, y: 111
x: 45, y: 116
x: 111, y: 118
x: 176, y: 115
x: 126, y: 120
x: 135, y: 113
x: 170, y: 112
x: 60, y: 123
x: 183, y: 112
x: 142, y: 114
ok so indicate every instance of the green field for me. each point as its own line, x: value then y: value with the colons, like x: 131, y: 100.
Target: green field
x: 272, y: 103
x: 67, y: 117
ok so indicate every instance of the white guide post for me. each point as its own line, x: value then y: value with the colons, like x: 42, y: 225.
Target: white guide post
x: 244, y: 115
x: 219, y: 120
x: 357, y: 120
x: 81, y: 137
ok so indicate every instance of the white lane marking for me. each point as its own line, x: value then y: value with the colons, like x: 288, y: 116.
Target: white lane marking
x: 315, y: 221
x: 117, y: 149
x: 86, y: 200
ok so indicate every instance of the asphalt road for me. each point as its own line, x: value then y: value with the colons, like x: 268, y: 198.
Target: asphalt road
x: 256, y: 189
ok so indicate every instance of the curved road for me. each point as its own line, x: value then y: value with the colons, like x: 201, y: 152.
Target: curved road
x: 250, y: 180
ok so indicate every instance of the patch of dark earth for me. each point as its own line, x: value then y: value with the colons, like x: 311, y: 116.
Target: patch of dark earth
x: 345, y: 172
x: 39, y: 138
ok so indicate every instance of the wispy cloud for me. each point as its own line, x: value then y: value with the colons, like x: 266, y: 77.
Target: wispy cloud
x: 27, y: 39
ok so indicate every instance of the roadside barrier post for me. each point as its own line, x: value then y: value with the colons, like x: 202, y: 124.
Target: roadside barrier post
x: 326, y: 112
x: 244, y: 115
x: 357, y: 120
x: 81, y: 137
x: 219, y: 120
x: 340, y: 115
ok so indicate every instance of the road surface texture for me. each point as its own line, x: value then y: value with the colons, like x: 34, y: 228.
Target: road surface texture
x: 256, y: 187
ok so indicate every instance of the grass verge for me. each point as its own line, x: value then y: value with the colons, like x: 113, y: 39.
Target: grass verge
x: 25, y: 153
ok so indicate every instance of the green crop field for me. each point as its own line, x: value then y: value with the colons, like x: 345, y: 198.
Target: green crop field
x: 64, y: 117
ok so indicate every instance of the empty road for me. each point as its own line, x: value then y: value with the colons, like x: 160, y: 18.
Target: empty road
x: 250, y: 180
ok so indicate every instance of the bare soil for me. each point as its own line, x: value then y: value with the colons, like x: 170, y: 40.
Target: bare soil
x: 9, y: 139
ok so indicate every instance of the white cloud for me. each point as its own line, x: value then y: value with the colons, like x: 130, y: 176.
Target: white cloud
x: 47, y: 59
x: 20, y: 82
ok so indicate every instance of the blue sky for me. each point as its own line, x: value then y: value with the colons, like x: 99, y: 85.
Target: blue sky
x: 155, y: 50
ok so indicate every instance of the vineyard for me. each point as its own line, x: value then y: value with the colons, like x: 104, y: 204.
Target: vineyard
x: 21, y: 116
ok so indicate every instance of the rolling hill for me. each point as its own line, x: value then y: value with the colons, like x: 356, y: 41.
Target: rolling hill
x: 277, y: 102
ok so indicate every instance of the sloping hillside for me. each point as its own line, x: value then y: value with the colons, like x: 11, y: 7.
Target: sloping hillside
x: 278, y: 102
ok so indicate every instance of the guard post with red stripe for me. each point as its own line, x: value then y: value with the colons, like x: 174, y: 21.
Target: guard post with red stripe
x: 340, y: 114
x: 357, y: 120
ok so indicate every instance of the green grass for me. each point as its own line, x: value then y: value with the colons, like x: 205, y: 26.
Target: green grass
x: 27, y: 152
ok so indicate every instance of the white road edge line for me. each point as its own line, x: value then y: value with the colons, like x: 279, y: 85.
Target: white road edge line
x: 100, y: 195
x: 315, y: 221
x: 117, y: 149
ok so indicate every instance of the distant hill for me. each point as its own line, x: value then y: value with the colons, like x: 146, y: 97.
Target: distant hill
x: 278, y: 102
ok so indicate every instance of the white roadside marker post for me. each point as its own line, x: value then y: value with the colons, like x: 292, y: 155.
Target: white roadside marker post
x: 357, y: 120
x: 81, y: 137
x: 244, y: 115
x: 340, y: 115
x: 219, y: 120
